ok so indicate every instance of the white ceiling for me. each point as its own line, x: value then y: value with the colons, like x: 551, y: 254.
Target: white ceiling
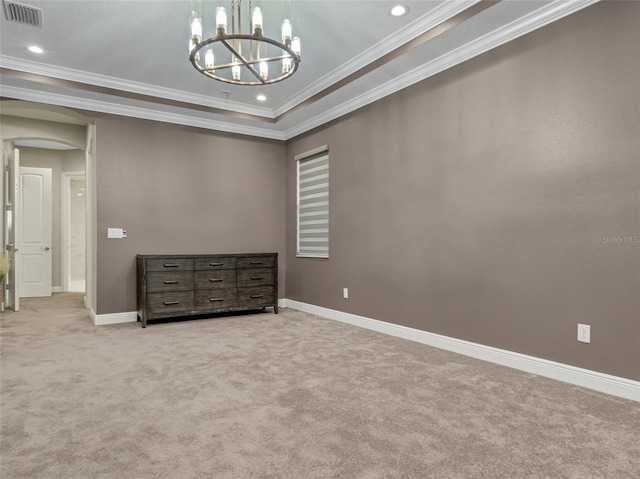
x: 129, y: 57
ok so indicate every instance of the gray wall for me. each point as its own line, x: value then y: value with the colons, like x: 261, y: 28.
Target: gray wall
x: 476, y: 204
x: 181, y: 190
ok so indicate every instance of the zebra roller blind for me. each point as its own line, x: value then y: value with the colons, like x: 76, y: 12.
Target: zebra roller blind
x: 313, y: 204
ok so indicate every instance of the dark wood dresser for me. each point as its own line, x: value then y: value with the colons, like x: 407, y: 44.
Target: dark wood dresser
x: 185, y: 285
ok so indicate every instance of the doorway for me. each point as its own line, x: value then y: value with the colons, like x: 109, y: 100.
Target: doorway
x: 74, y: 193
x: 39, y: 127
x: 55, y: 263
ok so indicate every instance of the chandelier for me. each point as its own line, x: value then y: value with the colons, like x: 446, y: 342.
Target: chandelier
x: 242, y: 58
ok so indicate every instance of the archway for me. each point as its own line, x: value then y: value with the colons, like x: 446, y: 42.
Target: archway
x: 29, y: 123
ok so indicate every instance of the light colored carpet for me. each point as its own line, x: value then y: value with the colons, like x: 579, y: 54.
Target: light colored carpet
x: 284, y: 396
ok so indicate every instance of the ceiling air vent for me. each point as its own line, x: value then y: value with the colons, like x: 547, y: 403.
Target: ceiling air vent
x: 17, y: 12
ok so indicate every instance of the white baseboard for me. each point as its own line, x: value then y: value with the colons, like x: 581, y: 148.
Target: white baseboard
x: 132, y: 316
x: 56, y: 289
x: 606, y: 383
x: 113, y: 318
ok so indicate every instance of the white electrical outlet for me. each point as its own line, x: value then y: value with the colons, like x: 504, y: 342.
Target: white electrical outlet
x: 345, y: 293
x: 584, y: 333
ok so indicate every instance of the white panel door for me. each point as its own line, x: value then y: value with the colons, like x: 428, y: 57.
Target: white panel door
x: 12, y: 201
x: 34, y: 242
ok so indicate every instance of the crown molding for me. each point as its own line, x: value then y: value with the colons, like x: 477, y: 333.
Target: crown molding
x: 435, y: 17
x: 135, y: 112
x: 438, y: 15
x: 541, y: 17
x: 537, y: 19
x: 105, y: 81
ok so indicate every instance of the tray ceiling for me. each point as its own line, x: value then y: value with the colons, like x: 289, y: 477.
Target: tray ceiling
x: 129, y: 57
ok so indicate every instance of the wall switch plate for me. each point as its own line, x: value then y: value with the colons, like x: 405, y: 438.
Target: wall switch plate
x: 117, y: 233
x: 584, y: 333
x: 345, y: 293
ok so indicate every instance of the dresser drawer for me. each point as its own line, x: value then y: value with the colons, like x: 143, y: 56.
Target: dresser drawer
x: 223, y: 298
x: 173, y: 281
x: 257, y: 262
x: 170, y: 302
x: 170, y: 264
x: 215, y: 262
x: 256, y: 296
x: 255, y: 277
x: 222, y: 279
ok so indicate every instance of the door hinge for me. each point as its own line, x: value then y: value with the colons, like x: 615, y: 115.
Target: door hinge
x: 9, y: 207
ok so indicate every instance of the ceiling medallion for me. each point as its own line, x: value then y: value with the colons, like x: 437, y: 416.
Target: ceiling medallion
x: 243, y: 58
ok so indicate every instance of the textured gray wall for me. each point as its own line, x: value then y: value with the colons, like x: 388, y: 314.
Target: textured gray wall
x: 487, y: 203
x: 177, y: 189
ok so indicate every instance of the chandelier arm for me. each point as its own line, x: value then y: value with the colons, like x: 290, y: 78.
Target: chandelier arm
x: 223, y: 66
x: 194, y: 55
x: 238, y: 55
x: 255, y: 83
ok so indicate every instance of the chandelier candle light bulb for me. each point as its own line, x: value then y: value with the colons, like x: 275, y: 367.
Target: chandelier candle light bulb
x: 257, y: 21
x: 251, y: 51
x: 236, y: 71
x: 286, y: 64
x: 286, y: 32
x: 196, y: 28
x: 221, y: 20
x: 295, y: 46
x: 208, y: 58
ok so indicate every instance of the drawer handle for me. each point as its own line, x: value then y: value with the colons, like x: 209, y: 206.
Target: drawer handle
x: 216, y: 264
x: 213, y: 300
x: 171, y: 265
x: 257, y: 277
x: 169, y: 303
x: 256, y: 262
x: 172, y: 282
x: 256, y: 296
x: 215, y: 280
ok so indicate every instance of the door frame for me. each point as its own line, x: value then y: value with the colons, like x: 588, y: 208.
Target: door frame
x: 11, y: 196
x: 2, y: 220
x: 65, y: 226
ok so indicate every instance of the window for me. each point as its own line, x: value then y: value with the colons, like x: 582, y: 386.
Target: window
x: 313, y: 203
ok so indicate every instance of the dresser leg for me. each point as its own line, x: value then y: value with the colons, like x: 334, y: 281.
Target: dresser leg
x: 275, y: 309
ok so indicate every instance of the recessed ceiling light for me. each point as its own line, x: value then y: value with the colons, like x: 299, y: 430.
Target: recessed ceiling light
x: 35, y: 49
x: 399, y: 10
x: 261, y: 97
